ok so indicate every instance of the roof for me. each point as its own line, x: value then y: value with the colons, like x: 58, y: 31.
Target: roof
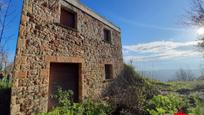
x: 93, y: 14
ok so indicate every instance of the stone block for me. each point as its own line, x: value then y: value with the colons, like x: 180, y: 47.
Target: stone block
x: 24, y: 19
x: 44, y: 73
x: 15, y: 109
x: 20, y: 74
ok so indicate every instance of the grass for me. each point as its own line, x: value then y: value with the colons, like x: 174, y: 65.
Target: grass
x: 187, y: 90
x: 191, y: 85
x: 178, y: 85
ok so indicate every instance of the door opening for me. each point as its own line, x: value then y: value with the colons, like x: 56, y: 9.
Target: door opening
x: 65, y: 76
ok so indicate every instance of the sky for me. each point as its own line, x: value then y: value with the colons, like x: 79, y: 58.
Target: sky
x: 153, y: 33
x: 12, y: 24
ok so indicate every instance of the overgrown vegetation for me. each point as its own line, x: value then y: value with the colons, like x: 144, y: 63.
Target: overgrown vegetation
x: 161, y: 105
x: 129, y: 92
x: 5, y: 83
x: 88, y: 107
x: 172, y: 103
x: 132, y: 94
x: 5, y: 95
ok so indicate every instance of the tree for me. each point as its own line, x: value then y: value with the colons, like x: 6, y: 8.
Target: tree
x: 201, y: 77
x: 7, y: 16
x: 196, y: 16
x: 184, y: 75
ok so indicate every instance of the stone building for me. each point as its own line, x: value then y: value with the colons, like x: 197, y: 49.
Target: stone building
x: 62, y: 43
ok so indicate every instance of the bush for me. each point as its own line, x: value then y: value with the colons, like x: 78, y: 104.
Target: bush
x: 169, y: 104
x: 198, y: 106
x: 161, y: 105
x: 5, y: 94
x: 129, y: 92
x: 68, y: 107
x: 5, y: 83
x: 199, y: 109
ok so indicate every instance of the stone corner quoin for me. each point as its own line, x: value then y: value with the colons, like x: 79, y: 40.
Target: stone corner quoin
x: 45, y: 45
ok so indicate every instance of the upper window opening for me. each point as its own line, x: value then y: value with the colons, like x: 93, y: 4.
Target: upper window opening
x: 108, y: 71
x: 107, y: 35
x: 68, y: 18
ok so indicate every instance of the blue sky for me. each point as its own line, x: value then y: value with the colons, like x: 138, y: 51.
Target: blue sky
x: 11, y: 30
x: 153, y: 33
x: 144, y: 21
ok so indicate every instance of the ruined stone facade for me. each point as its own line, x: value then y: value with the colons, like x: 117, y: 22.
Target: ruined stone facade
x: 43, y: 40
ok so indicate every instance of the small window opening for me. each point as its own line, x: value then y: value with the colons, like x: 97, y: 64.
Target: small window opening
x: 108, y: 71
x: 68, y: 18
x: 107, y: 35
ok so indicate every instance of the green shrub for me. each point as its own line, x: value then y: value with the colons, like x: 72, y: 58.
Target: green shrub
x: 68, y: 107
x: 63, y: 97
x: 96, y: 108
x: 129, y: 91
x: 198, y: 108
x: 169, y: 104
x: 162, y: 105
x: 5, y: 94
x: 4, y: 83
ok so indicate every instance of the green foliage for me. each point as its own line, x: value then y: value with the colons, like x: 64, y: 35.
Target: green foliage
x: 96, y: 108
x: 5, y: 96
x: 153, y: 87
x: 199, y: 107
x: 63, y: 97
x: 198, y: 110
x: 68, y: 107
x: 182, y: 87
x: 129, y: 91
x: 164, y: 104
x: 130, y: 94
x: 4, y: 83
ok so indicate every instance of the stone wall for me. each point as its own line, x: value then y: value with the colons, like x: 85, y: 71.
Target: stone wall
x: 42, y: 41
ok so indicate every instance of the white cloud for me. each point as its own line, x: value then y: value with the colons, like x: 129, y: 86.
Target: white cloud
x: 161, y: 50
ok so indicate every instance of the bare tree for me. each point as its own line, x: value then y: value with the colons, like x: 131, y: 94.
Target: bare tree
x: 196, y: 16
x: 184, y: 75
x: 201, y: 77
x: 7, y: 16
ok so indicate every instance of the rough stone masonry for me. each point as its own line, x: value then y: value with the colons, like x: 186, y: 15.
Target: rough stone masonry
x: 48, y: 37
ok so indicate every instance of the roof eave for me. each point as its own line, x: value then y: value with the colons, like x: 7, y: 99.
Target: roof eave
x: 93, y: 14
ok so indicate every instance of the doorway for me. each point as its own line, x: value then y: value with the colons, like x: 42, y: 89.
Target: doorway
x: 65, y: 76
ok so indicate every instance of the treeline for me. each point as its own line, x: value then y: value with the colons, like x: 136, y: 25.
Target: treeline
x: 187, y: 75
